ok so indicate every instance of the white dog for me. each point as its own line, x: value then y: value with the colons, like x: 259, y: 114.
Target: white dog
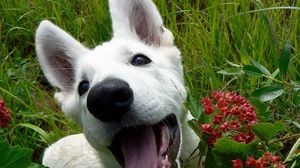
x: 126, y: 94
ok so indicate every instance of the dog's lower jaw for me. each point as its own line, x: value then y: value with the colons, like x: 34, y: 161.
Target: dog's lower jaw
x: 75, y: 151
x: 148, y: 146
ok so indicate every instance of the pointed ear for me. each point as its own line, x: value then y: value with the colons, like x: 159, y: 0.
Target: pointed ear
x: 57, y: 53
x: 139, y: 19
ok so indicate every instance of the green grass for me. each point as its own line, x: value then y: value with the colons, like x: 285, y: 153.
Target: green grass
x: 210, y: 35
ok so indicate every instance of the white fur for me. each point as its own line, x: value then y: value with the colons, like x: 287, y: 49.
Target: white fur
x: 75, y: 151
x: 158, y: 87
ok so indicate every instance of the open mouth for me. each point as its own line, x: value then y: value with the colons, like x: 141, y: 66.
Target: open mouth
x: 148, y: 146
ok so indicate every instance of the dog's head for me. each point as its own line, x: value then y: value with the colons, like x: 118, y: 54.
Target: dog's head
x: 126, y: 93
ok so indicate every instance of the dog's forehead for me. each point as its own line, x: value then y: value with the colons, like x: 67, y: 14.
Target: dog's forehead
x: 122, y: 51
x: 114, y: 57
x: 120, y: 48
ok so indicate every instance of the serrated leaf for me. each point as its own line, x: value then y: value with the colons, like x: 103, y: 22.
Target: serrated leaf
x: 263, y: 69
x: 14, y: 157
x: 252, y: 70
x: 268, y: 93
x: 267, y: 131
x: 285, y: 57
x: 229, y: 147
x: 231, y: 71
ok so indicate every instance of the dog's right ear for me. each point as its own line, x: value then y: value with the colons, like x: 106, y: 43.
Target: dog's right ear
x: 139, y: 19
x: 57, y: 53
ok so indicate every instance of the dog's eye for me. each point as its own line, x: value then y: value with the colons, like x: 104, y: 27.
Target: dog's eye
x: 83, y: 87
x: 139, y: 60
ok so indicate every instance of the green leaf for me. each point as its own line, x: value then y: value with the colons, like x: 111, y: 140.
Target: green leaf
x: 44, y: 135
x: 233, y: 64
x: 245, y: 59
x: 263, y: 69
x: 195, y: 126
x: 252, y: 70
x: 296, y: 85
x: 294, y: 161
x: 14, y: 157
x: 230, y: 147
x: 273, y: 75
x: 293, y: 150
x: 231, y: 71
x: 285, y: 57
x: 268, y: 93
x: 267, y: 131
x: 261, y: 110
x: 210, y: 160
x: 296, y: 124
x: 36, y: 165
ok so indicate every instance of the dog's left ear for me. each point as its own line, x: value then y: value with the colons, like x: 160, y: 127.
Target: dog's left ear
x: 139, y: 19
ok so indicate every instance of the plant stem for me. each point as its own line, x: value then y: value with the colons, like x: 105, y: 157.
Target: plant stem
x: 285, y: 138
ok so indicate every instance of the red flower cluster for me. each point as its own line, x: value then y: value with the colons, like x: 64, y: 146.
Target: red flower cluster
x: 232, y: 114
x: 4, y: 115
x: 237, y: 163
x: 267, y: 160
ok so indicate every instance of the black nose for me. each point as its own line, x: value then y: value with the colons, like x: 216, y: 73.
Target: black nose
x: 110, y: 99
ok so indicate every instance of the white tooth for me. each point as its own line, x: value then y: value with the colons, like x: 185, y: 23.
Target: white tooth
x: 163, y: 136
x: 165, y: 140
x: 165, y: 162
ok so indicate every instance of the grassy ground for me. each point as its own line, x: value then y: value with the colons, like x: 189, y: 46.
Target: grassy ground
x: 211, y: 34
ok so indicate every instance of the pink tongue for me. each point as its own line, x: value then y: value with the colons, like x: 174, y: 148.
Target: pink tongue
x: 139, y: 149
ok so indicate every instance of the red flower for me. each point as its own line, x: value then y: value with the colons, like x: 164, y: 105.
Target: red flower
x: 217, y: 133
x: 279, y: 165
x: 206, y: 128
x: 233, y: 117
x: 260, y: 163
x: 234, y: 125
x: 229, y: 96
x: 217, y: 119
x: 249, y: 137
x: 4, y: 115
x: 224, y: 127
x: 209, y: 110
x: 208, y: 106
x: 206, y: 102
x: 216, y: 95
x: 267, y: 160
x: 275, y: 159
x: 250, y: 161
x: 237, y: 163
x: 240, y: 137
x: 222, y: 103
x: 267, y: 156
x: 211, y: 140
x: 234, y: 110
